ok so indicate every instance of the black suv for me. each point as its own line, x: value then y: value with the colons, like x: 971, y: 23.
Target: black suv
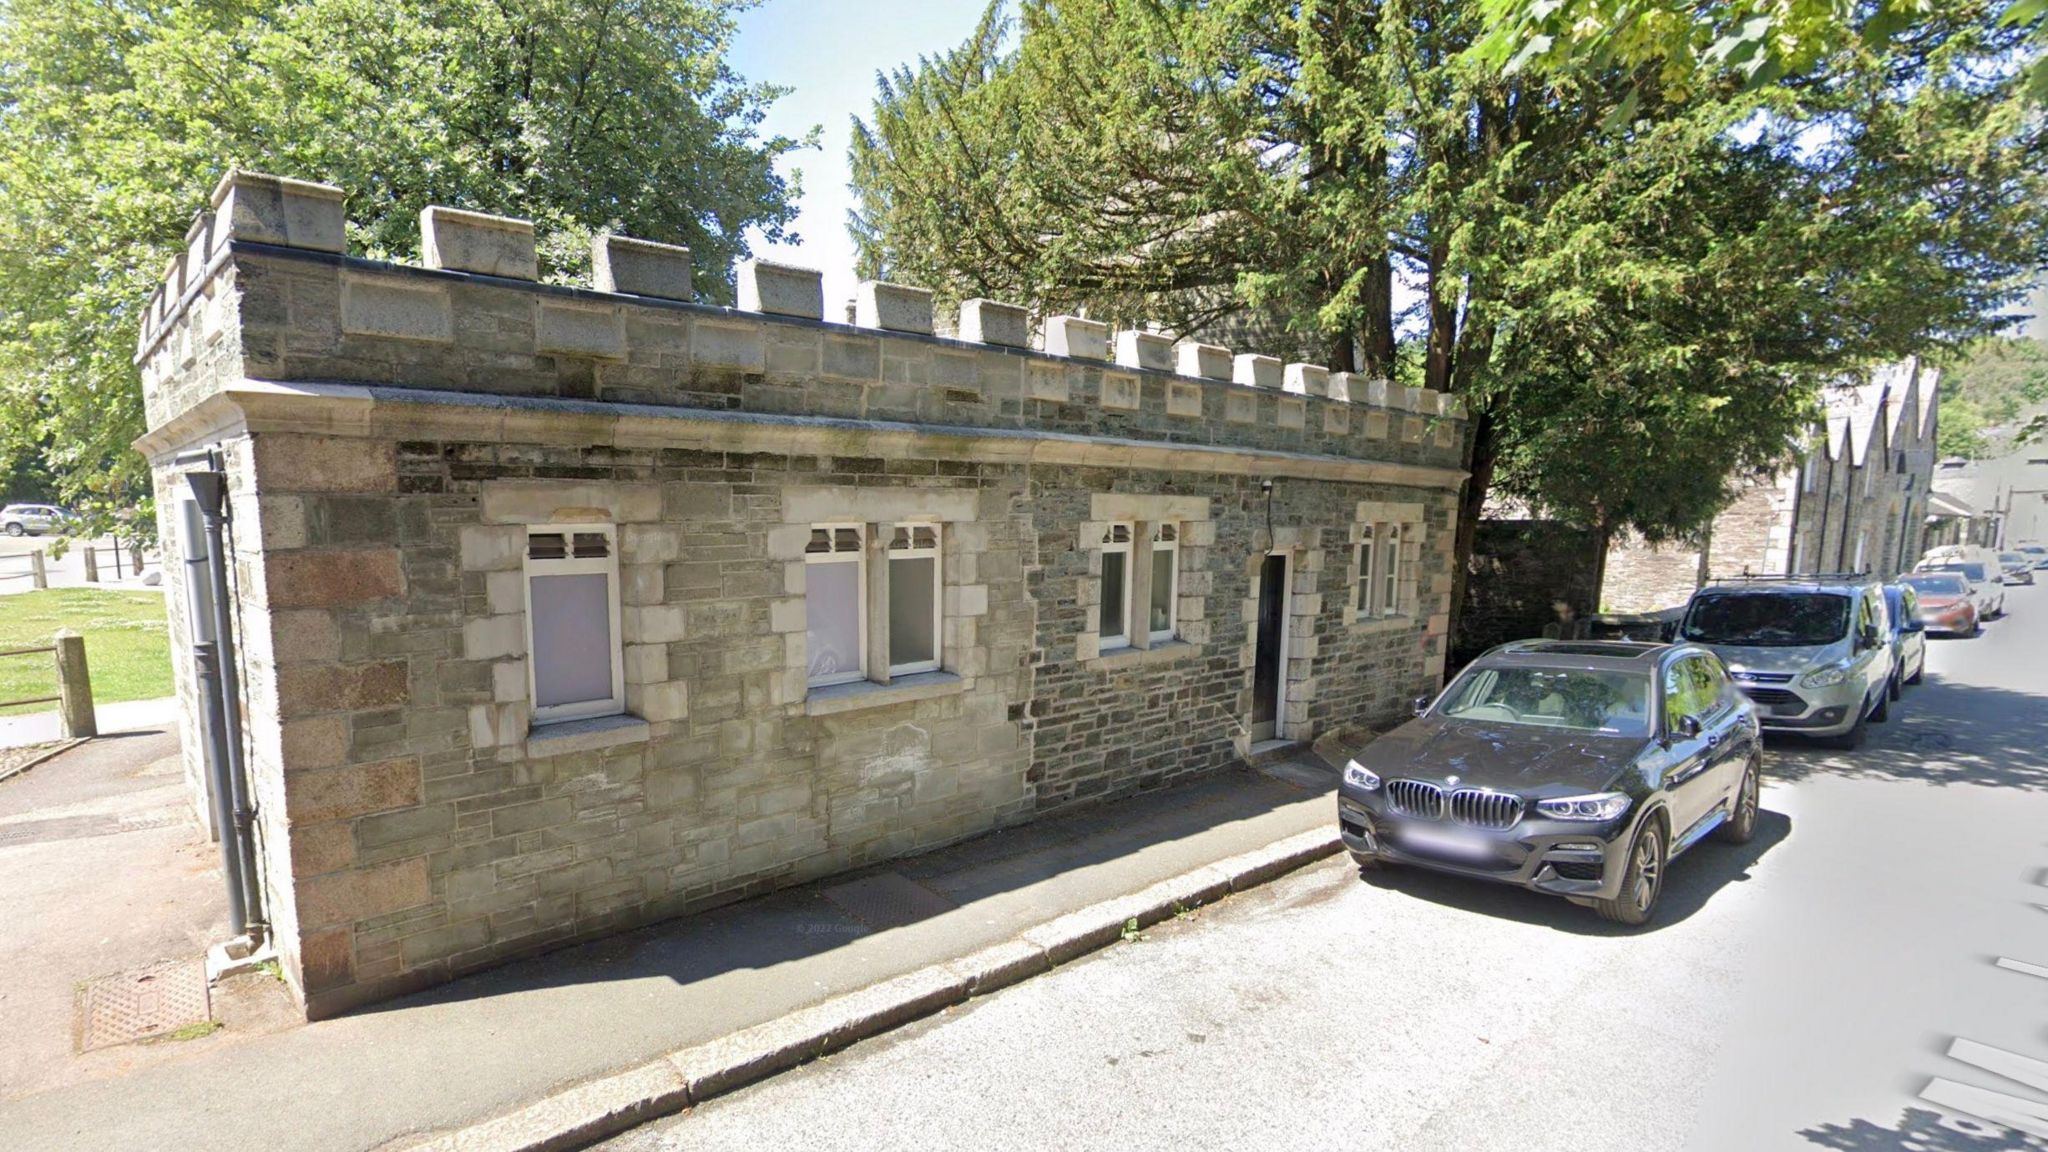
x: 1575, y: 768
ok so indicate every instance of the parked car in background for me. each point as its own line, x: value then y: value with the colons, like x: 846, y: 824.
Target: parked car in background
x: 1909, y: 635
x: 1814, y: 652
x: 2017, y: 567
x: 1960, y: 554
x: 2038, y: 553
x: 1945, y: 603
x: 1572, y: 767
x: 33, y: 519
x: 1987, y: 589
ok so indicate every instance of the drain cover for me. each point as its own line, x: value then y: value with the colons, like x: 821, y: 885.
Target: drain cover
x: 887, y: 900
x: 131, y: 1006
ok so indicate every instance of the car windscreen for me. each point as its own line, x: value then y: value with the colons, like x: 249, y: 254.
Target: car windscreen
x: 1578, y: 700
x: 1974, y: 573
x: 1768, y: 620
x: 1936, y: 585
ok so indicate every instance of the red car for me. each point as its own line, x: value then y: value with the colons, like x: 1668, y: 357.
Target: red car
x: 1945, y: 604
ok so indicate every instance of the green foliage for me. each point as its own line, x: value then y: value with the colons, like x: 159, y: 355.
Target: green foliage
x: 127, y: 646
x: 1638, y: 284
x: 1758, y: 42
x: 1993, y: 393
x: 116, y: 120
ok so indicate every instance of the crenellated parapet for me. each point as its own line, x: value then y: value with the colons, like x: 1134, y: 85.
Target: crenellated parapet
x: 266, y: 291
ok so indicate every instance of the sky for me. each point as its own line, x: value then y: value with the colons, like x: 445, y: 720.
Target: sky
x: 828, y: 53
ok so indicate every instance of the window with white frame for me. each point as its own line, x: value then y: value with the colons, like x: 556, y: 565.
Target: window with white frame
x: 835, y: 604
x: 1164, y: 615
x: 1113, y: 621
x: 1390, y: 567
x: 1367, y: 574
x: 575, y: 665
x: 914, y: 599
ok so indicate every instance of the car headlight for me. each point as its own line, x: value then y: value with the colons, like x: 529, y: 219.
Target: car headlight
x: 1599, y: 806
x: 1359, y: 776
x: 1826, y: 677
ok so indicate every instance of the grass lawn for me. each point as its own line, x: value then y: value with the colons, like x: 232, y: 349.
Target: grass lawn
x: 127, y: 648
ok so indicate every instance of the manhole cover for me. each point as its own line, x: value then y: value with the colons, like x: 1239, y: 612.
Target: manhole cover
x: 131, y: 1006
x: 887, y: 900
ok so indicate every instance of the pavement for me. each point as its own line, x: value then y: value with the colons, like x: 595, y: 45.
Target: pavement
x: 831, y: 955
x: 1798, y: 992
x: 127, y: 716
x: 106, y: 871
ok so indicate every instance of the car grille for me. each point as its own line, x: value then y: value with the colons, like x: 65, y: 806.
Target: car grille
x: 1491, y: 810
x: 1774, y: 697
x: 1763, y: 677
x: 1472, y: 807
x: 1415, y: 798
x: 1577, y: 869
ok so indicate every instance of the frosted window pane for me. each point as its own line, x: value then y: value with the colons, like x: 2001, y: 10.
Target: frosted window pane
x: 910, y: 611
x: 832, y: 604
x: 1112, y: 623
x: 572, y: 639
x: 1162, y: 590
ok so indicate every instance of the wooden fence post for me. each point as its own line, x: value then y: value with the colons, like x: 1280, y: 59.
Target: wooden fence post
x: 74, y: 687
x: 38, y: 574
x: 92, y: 566
x: 135, y: 555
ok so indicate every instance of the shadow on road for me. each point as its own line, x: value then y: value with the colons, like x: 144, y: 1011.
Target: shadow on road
x: 1921, y: 1130
x: 1941, y: 733
x: 1693, y: 880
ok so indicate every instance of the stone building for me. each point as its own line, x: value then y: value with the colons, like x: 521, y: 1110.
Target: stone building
x: 1857, y: 501
x: 565, y: 609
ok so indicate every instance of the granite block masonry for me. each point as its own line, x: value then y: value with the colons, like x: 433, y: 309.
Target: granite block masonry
x: 565, y: 610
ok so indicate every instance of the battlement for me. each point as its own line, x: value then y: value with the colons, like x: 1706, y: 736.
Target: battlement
x: 266, y: 291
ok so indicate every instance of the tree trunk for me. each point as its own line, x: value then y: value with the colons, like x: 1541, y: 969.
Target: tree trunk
x: 1480, y: 455
x: 1376, y: 341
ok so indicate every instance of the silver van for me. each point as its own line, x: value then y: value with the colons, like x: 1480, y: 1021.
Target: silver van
x: 1814, y: 652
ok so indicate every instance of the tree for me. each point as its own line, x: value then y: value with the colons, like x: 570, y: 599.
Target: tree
x: 1993, y: 395
x: 1638, y: 286
x: 116, y: 119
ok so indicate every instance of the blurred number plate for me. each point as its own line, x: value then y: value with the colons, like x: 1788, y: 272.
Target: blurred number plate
x: 1446, y: 842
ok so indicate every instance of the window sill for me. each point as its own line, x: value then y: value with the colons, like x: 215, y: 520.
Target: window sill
x: 1382, y: 623
x: 565, y: 736
x: 860, y: 694
x: 1161, y: 652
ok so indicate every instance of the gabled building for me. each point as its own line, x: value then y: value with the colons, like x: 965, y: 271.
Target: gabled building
x: 1856, y: 502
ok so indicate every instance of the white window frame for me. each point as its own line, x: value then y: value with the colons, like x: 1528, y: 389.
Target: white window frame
x: 570, y: 565
x: 859, y: 556
x: 1390, y: 598
x: 1165, y: 538
x: 936, y: 554
x: 1368, y: 568
x: 1110, y: 545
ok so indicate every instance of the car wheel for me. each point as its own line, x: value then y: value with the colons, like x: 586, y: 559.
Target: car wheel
x: 1896, y: 686
x: 1643, y: 881
x: 1852, y: 739
x: 1919, y: 670
x: 1740, y: 826
x: 15, y: 530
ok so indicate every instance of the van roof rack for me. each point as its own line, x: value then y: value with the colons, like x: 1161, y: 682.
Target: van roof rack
x: 1790, y: 578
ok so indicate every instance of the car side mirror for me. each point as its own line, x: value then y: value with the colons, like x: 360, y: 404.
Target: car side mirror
x: 1869, y: 638
x: 1913, y: 626
x: 1421, y: 705
x: 1687, y: 727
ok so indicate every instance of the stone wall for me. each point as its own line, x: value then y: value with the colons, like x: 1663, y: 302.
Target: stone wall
x: 391, y: 435
x: 1526, y: 577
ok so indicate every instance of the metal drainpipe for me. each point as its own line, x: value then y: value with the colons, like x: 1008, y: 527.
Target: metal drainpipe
x: 209, y: 489
x: 206, y: 656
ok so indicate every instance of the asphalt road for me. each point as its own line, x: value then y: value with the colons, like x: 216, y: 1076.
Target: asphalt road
x: 1798, y: 992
